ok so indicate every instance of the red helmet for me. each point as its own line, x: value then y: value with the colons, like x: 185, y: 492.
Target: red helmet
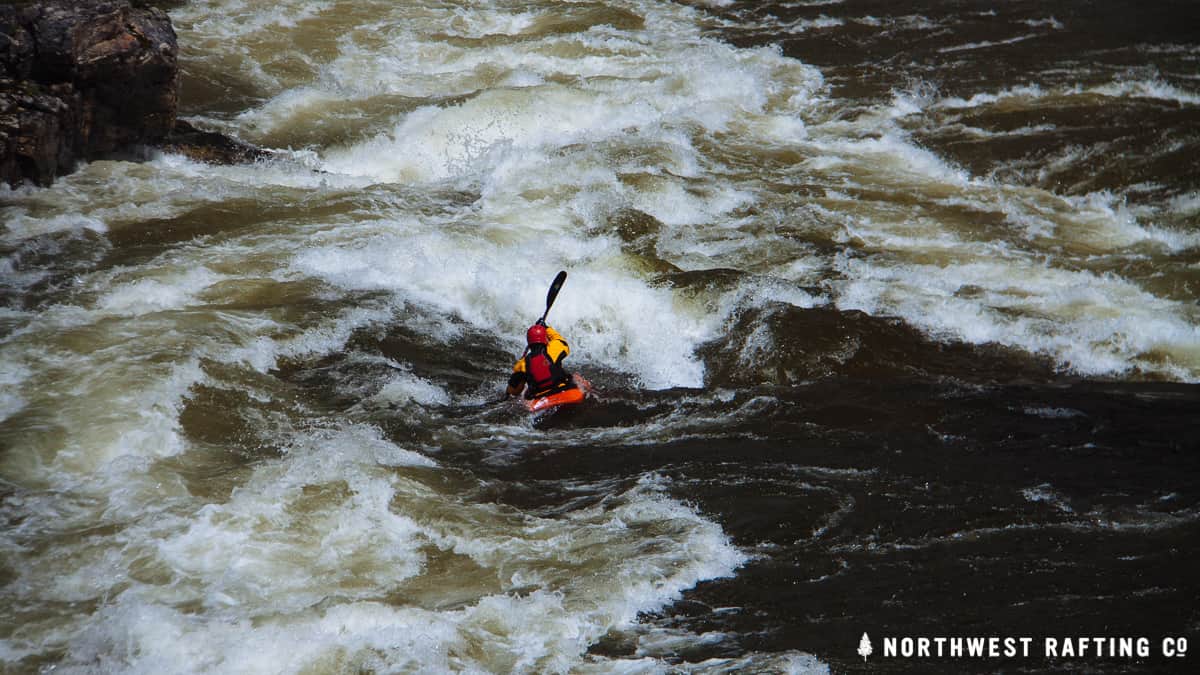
x: 536, y: 335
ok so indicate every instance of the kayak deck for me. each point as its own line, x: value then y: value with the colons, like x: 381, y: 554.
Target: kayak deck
x: 572, y: 396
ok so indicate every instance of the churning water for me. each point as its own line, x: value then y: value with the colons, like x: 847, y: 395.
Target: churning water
x: 892, y: 309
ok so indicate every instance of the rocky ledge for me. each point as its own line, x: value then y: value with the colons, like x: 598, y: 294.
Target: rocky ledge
x: 80, y: 79
x: 209, y: 146
x: 83, y: 79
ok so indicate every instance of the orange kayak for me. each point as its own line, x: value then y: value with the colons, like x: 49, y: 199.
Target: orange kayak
x: 561, y: 398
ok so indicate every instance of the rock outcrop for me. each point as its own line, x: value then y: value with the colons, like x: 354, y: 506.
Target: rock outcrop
x: 209, y: 146
x: 80, y: 79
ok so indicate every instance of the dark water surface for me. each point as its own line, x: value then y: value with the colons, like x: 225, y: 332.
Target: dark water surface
x: 942, y: 494
x: 971, y: 501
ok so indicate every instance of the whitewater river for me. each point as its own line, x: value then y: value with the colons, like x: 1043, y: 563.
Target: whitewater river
x: 892, y: 309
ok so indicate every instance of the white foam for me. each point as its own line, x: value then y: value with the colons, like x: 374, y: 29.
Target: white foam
x: 908, y: 22
x: 812, y: 3
x: 12, y: 376
x: 675, y: 204
x: 114, y: 418
x: 19, y: 225
x: 913, y: 100
x: 622, y: 84
x: 264, y: 352
x: 116, y: 377
x: 625, y: 586
x: 150, y: 638
x: 14, y: 279
x: 1046, y: 493
x: 1089, y: 324
x: 1152, y: 89
x: 1185, y: 205
x: 805, y: 25
x: 352, y: 541
x: 1020, y: 93
x: 782, y: 663
x: 1053, y: 413
x: 987, y: 43
x: 404, y: 387
x: 435, y: 143
x: 290, y: 573
x: 174, y: 290
x: 1049, y: 22
x: 894, y: 158
x: 711, y: 86
x: 1033, y: 94
x: 1103, y: 221
x: 106, y: 195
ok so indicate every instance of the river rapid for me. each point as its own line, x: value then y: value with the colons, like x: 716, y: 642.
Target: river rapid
x: 891, y: 309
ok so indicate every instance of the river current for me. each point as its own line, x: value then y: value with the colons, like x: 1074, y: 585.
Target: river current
x: 891, y: 309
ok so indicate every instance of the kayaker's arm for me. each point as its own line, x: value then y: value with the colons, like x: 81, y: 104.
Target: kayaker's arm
x: 516, y: 381
x: 557, y: 347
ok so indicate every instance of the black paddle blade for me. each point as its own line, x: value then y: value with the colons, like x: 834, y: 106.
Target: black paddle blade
x: 553, y: 293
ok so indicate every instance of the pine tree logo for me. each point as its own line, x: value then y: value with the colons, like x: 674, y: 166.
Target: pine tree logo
x: 864, y: 647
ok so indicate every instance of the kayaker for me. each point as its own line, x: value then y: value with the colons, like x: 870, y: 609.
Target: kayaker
x: 540, y: 372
